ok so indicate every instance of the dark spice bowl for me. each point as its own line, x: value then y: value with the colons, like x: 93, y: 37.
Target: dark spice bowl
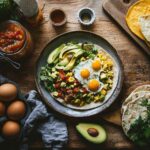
x: 58, y: 17
x: 24, y: 49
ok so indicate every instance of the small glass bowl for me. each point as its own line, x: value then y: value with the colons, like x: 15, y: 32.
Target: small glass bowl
x: 27, y: 47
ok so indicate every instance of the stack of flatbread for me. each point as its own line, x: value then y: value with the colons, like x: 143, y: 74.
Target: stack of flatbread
x: 138, y: 19
x: 132, y: 108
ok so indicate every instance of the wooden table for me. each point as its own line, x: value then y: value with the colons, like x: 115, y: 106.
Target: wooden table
x: 136, y: 65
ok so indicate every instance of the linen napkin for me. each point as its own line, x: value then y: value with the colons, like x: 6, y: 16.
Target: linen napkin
x: 52, y: 130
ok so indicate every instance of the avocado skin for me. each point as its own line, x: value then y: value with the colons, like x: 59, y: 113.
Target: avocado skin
x: 5, y: 8
x: 83, y: 127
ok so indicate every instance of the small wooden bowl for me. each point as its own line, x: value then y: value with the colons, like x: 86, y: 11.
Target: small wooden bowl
x: 58, y: 17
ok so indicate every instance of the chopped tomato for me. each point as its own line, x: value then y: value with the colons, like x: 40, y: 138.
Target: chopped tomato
x: 63, y: 89
x: 76, y: 81
x: 62, y: 74
x: 59, y: 94
x: 84, y: 90
x: 76, y: 90
x: 67, y: 78
x: 12, y: 38
x: 57, y: 85
x: 69, y: 91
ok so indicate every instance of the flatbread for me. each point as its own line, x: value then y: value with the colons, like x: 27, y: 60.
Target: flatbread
x: 133, y: 111
x: 144, y: 22
x: 131, y: 98
x: 139, y: 91
x: 145, y: 87
x: 138, y: 9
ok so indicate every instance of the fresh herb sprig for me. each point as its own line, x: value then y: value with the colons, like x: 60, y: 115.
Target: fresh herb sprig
x: 140, y: 130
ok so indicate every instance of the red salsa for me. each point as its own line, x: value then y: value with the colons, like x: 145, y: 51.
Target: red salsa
x: 12, y: 38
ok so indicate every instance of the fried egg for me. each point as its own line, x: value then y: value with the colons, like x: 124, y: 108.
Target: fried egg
x: 83, y: 71
x: 94, y: 85
x: 87, y: 73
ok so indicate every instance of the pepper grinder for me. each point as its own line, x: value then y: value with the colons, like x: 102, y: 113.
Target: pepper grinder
x: 30, y: 10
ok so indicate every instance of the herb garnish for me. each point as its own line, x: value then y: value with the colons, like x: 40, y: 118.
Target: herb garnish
x: 140, y: 130
x: 46, y: 78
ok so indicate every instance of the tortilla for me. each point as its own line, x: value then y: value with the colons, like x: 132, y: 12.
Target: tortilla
x: 145, y: 87
x: 131, y: 98
x: 133, y: 111
x: 144, y: 22
x: 138, y: 9
x: 139, y: 91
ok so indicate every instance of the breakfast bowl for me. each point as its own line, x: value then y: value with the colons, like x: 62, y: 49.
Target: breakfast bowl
x: 15, y: 40
x: 15, y: 112
x: 79, y: 96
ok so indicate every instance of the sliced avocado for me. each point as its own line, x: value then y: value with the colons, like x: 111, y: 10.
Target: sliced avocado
x: 87, y: 46
x: 92, y: 132
x: 66, y: 49
x: 72, y: 53
x: 54, y: 54
x: 73, y: 60
x: 69, y: 65
x: 56, y: 60
x: 64, y: 62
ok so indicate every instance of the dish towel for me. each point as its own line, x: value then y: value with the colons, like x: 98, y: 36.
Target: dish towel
x: 52, y: 130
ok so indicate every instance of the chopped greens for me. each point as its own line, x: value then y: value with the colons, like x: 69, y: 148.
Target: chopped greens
x: 46, y: 78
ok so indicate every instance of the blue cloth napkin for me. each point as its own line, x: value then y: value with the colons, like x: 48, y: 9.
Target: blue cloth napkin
x: 52, y: 130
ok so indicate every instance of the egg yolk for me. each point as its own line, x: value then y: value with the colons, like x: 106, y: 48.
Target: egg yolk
x: 96, y: 65
x: 85, y: 73
x: 93, y: 85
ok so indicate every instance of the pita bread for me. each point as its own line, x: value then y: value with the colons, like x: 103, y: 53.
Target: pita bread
x: 133, y: 111
x: 139, y: 91
x: 144, y: 22
x: 131, y: 98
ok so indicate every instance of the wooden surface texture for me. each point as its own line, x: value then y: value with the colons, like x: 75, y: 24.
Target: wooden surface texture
x: 136, y: 67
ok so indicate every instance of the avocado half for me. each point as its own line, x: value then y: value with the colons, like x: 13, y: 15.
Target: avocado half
x: 92, y: 132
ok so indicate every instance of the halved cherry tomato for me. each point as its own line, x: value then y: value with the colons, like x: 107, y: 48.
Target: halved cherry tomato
x: 57, y: 85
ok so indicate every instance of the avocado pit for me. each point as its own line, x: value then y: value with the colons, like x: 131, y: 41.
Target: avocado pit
x: 93, y: 132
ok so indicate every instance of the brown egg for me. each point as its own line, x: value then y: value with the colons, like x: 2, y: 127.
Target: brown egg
x: 16, y: 110
x: 8, y: 92
x: 2, y: 108
x: 11, y: 129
